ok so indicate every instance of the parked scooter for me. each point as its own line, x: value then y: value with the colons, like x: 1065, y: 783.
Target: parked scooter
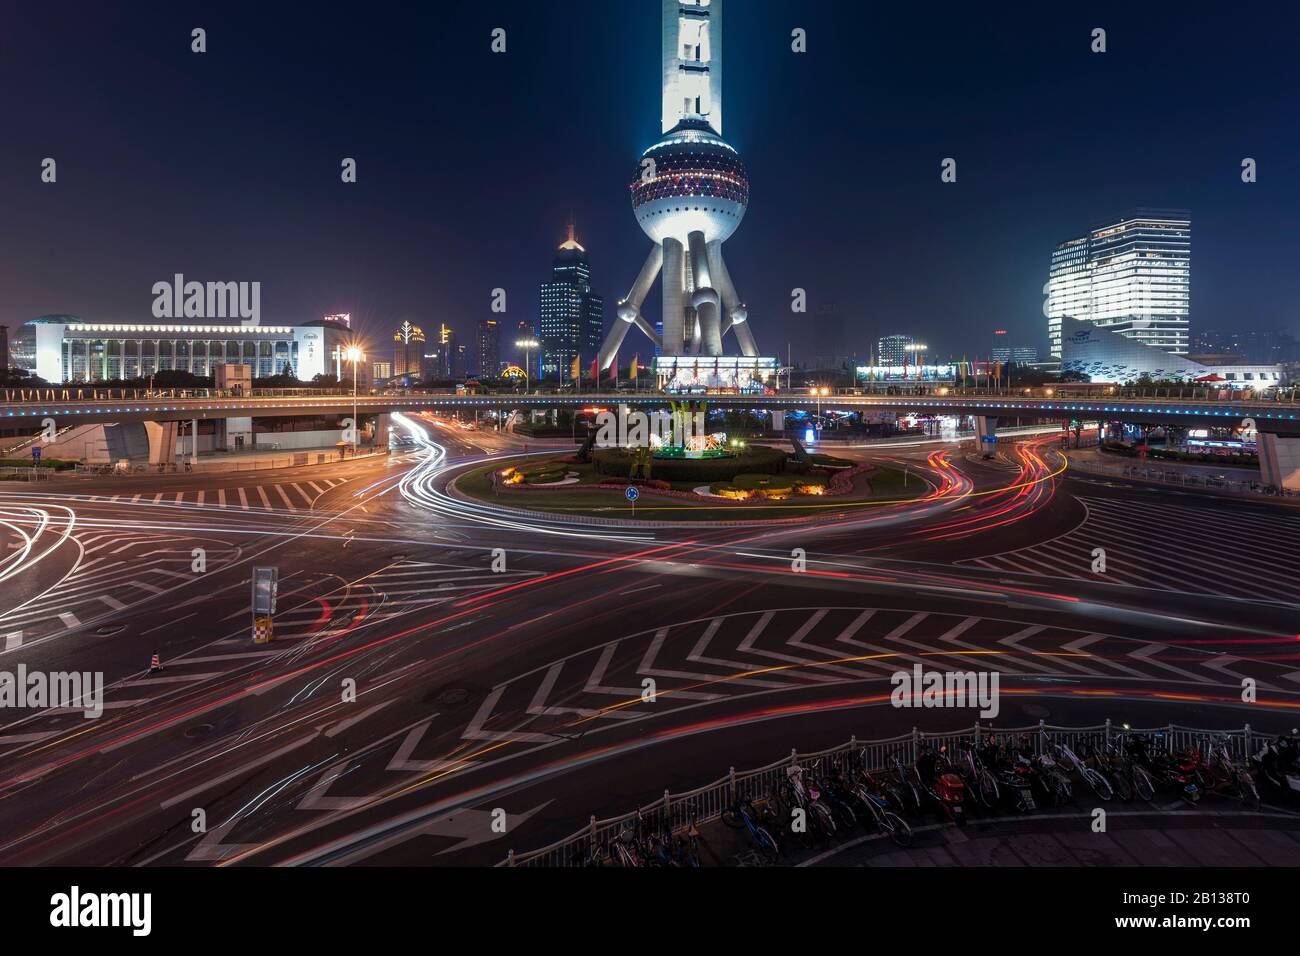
x: 1278, y: 763
x: 943, y: 785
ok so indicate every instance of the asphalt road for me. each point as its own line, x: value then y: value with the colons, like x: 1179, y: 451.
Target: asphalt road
x: 424, y: 704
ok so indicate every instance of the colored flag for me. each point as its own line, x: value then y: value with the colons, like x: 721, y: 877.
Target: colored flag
x: 633, y: 369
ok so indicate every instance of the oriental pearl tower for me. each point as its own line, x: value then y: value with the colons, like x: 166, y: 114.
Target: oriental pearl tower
x: 689, y: 196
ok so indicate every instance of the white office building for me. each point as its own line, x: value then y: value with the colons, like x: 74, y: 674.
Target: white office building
x: 1105, y: 355
x: 1131, y: 275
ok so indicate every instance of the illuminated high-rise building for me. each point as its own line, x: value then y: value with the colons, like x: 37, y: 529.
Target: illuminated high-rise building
x: 571, y: 317
x: 489, y: 348
x: 1131, y: 275
x: 408, y: 349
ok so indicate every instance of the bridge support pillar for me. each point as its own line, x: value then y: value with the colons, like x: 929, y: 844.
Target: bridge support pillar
x: 231, y: 430
x: 1279, y: 461
x: 162, y: 442
x: 383, y: 425
x: 986, y: 434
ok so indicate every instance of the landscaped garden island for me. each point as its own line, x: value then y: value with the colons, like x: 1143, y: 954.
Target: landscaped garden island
x: 749, y: 482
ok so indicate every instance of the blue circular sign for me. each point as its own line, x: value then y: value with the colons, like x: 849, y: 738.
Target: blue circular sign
x: 633, y: 493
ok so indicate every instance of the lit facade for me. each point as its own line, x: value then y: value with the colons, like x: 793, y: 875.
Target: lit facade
x: 1131, y: 276
x: 407, y: 349
x: 893, y: 350
x: 1101, y: 354
x: 571, y: 317
x: 66, y: 349
x: 489, y: 348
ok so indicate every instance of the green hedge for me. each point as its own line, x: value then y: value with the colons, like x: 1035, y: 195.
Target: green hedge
x: 756, y: 459
x: 58, y: 464
x: 1194, y: 457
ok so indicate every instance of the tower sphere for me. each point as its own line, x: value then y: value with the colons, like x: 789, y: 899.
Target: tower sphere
x: 696, y: 182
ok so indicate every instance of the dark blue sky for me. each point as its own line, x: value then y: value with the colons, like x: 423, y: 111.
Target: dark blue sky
x: 225, y: 166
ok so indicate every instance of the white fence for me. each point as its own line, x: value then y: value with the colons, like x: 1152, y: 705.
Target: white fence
x: 1184, y: 479
x: 706, y: 803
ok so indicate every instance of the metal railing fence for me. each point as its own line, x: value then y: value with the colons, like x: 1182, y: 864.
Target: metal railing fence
x: 705, y: 804
x: 1183, y: 479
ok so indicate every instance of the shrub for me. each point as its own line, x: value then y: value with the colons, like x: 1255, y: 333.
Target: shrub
x: 760, y: 459
x: 57, y: 464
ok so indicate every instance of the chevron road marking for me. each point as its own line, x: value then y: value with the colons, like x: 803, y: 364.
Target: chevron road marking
x: 595, y: 683
x: 697, y: 655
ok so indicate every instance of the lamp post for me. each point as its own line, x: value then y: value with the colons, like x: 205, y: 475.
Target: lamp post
x: 527, y: 344
x: 354, y: 355
x: 819, y: 392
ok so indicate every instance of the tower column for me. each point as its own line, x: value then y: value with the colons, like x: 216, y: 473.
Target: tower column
x: 705, y: 301
x: 674, y: 285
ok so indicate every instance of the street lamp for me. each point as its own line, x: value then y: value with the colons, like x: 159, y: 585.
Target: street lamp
x: 820, y: 393
x: 527, y: 344
x: 354, y: 355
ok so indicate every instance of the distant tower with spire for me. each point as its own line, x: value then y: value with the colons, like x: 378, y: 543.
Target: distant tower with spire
x: 571, y: 316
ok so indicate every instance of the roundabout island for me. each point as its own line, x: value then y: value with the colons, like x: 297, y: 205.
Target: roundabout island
x: 745, y: 483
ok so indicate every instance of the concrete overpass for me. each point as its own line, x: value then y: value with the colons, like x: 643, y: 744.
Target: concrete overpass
x: 1277, y: 421
x: 1274, y: 417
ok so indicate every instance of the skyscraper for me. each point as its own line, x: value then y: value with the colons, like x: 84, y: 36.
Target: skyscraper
x: 408, y: 347
x: 571, y: 319
x: 453, y: 354
x: 1131, y: 275
x: 489, y: 348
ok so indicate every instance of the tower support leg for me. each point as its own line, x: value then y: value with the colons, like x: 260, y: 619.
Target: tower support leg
x: 736, y: 315
x: 629, y: 310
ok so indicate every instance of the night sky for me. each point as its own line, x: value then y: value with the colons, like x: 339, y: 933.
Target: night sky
x: 225, y: 165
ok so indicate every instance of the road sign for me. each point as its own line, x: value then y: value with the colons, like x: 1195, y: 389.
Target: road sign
x: 265, y: 585
x: 989, y: 439
x: 633, y: 493
x: 36, y: 453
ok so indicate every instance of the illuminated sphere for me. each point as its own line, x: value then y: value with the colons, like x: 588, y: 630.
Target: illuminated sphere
x: 698, y: 184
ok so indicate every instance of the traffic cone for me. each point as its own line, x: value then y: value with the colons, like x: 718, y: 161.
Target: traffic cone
x: 155, y: 663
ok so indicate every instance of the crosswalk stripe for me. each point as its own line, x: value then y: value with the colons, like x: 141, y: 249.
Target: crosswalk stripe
x: 221, y: 497
x: 287, y: 503
x: 243, y: 499
x: 157, y: 498
x: 266, y: 502
x: 319, y: 489
x: 305, y: 497
x: 200, y: 499
x: 180, y: 496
